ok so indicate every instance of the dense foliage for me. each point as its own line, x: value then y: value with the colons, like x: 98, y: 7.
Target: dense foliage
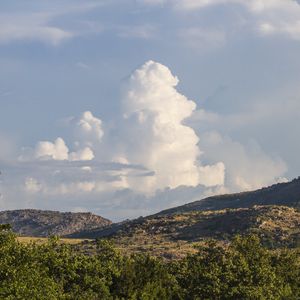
x: 243, y: 270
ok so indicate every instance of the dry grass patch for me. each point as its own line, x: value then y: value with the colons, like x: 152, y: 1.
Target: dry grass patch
x: 41, y: 240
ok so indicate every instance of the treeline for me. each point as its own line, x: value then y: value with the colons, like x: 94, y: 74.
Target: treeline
x: 243, y: 270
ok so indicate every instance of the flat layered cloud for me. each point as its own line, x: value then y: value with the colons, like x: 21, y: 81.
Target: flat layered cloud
x: 33, y: 27
x: 46, y: 34
x: 37, y: 25
x: 266, y: 18
x: 44, y: 25
x: 256, y: 6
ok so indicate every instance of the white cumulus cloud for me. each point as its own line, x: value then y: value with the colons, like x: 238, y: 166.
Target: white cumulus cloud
x: 88, y: 129
x: 83, y: 154
x: 48, y: 150
x: 57, y: 150
x: 154, y: 135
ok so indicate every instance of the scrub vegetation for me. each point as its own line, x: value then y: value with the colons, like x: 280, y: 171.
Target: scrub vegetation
x: 242, y: 269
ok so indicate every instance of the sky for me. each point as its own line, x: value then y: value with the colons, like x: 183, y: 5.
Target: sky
x: 125, y: 108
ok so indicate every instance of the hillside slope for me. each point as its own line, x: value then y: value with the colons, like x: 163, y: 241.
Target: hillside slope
x: 40, y: 223
x: 282, y: 194
x: 286, y: 194
x: 174, y: 235
x: 272, y: 213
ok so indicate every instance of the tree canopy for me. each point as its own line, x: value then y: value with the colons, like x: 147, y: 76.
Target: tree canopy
x: 242, y: 270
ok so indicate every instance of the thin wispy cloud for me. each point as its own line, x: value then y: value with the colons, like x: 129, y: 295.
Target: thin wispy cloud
x: 38, y: 25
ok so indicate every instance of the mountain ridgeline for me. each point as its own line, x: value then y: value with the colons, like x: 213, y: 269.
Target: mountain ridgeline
x: 285, y: 194
x: 43, y: 223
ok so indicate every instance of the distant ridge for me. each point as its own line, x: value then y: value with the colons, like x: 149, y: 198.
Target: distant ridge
x: 286, y: 194
x: 42, y: 223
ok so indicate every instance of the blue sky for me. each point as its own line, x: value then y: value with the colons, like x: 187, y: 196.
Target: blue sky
x: 101, y: 76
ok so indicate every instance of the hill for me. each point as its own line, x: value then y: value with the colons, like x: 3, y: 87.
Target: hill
x: 272, y: 213
x: 174, y: 235
x: 42, y: 223
x: 286, y: 194
x: 282, y: 194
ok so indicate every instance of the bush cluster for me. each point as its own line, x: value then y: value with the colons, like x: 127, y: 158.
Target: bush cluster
x: 243, y: 270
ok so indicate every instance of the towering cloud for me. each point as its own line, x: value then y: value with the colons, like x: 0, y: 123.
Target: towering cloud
x: 155, y: 136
